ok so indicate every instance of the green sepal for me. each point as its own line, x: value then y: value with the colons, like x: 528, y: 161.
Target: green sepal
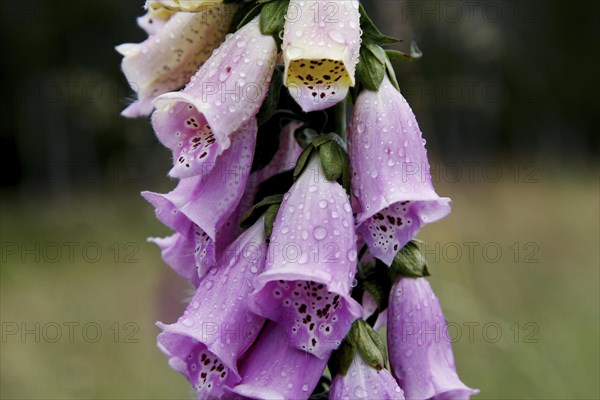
x: 376, y: 279
x: 340, y: 360
x: 254, y: 213
x: 269, y: 106
x: 410, y: 261
x: 272, y: 18
x: 370, y: 31
x: 369, y: 345
x: 415, y: 54
x: 391, y: 73
x: 371, y: 66
x: 332, y: 156
x: 331, y: 160
x: 270, y: 216
x: 303, y: 160
x: 322, y: 139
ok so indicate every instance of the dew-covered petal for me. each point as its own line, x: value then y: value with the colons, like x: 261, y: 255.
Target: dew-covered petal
x: 321, y: 45
x: 172, y: 53
x: 218, y: 322
x: 204, y: 370
x: 311, y: 264
x: 390, y: 172
x: 193, y: 145
x: 209, y: 200
x: 190, y: 239
x: 273, y: 369
x: 178, y: 252
x: 227, y: 90
x: 364, y: 382
x: 167, y: 213
x: 419, y: 347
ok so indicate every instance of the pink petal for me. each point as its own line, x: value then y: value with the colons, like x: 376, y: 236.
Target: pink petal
x: 364, y: 382
x: 209, y: 200
x: 227, y: 90
x: 172, y: 54
x: 275, y: 370
x: 311, y: 265
x: 391, y: 178
x: 321, y: 45
x: 218, y: 324
x: 419, y: 348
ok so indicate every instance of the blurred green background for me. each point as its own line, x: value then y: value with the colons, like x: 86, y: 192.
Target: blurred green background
x: 505, y: 97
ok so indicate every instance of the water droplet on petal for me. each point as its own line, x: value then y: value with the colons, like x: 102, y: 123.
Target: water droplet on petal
x: 224, y: 75
x: 352, y: 255
x: 320, y: 232
x: 337, y: 36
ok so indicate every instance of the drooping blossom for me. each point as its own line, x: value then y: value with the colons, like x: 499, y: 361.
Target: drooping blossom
x: 189, y: 251
x: 362, y: 381
x: 200, y: 207
x: 311, y: 264
x: 197, y: 123
x: 321, y: 45
x: 209, y: 199
x: 390, y: 172
x: 173, y: 52
x: 217, y: 327
x: 275, y: 369
x: 419, y: 347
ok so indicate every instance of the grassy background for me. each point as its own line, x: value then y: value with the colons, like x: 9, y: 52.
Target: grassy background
x: 555, y: 356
